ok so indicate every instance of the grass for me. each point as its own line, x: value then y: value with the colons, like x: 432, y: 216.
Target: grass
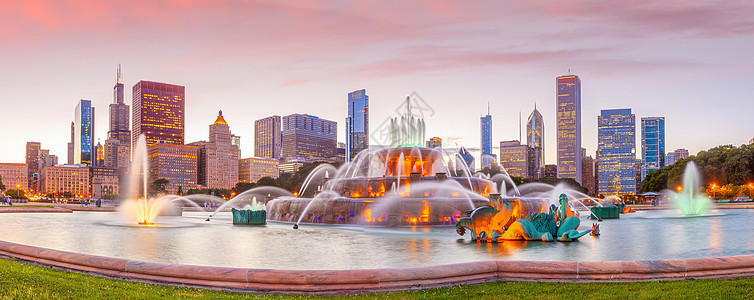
x: 24, y: 281
x: 35, y: 206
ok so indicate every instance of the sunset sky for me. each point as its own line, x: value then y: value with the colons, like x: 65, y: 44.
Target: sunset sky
x: 689, y: 61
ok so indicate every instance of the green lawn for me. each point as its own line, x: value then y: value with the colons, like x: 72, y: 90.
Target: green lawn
x: 35, y: 206
x: 23, y: 281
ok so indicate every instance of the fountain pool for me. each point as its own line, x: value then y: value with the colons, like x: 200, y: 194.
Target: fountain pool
x: 645, y: 235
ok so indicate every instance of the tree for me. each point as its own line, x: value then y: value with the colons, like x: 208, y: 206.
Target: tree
x: 243, y: 186
x: 180, y: 190
x: 17, y: 194
x: 159, y: 186
x: 267, y: 181
x: 2, y: 186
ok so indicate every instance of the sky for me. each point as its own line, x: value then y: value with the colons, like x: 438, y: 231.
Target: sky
x: 689, y: 61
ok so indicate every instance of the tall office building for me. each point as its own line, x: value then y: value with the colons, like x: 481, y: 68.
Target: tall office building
x: 308, y: 136
x: 268, y: 139
x: 652, y: 144
x: 254, y: 168
x: 176, y: 163
x: 466, y: 158
x: 675, y: 156
x: 486, y: 132
x: 158, y: 113
x: 514, y: 157
x: 435, y: 142
x: 83, y: 131
x: 535, y: 140
x: 587, y: 175
x: 99, y: 154
x: 569, y: 126
x: 218, y: 158
x: 616, y: 129
x: 32, y: 165
x: 15, y: 176
x: 357, y: 123
x: 118, y: 144
x: 551, y: 171
x: 236, y: 141
x: 70, y: 144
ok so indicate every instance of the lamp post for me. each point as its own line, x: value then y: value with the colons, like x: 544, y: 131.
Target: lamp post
x: 713, y: 191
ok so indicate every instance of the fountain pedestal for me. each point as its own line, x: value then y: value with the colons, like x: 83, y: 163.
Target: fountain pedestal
x: 249, y: 217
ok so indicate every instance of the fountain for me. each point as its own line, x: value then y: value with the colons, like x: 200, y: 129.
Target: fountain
x: 690, y: 201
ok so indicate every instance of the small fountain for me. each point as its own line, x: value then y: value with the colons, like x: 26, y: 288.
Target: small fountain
x: 252, y: 214
x: 690, y: 201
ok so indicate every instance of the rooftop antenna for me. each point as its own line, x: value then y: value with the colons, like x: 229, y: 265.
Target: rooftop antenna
x: 519, y: 126
x: 118, y: 75
x: 569, y: 71
x: 488, y: 108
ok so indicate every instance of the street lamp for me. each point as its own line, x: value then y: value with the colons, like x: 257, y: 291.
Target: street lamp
x: 713, y: 191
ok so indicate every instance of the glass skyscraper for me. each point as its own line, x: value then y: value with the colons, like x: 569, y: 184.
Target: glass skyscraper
x: 357, y: 123
x: 309, y: 136
x: 569, y: 127
x: 268, y: 139
x: 535, y: 140
x: 159, y: 112
x: 83, y: 131
x: 118, y: 143
x: 616, y: 154
x: 652, y: 144
x: 486, y: 131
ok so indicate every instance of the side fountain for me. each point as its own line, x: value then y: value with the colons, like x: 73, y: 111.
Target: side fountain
x: 502, y: 221
x: 690, y: 201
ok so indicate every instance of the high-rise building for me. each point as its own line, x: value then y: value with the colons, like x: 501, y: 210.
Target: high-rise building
x: 99, y: 151
x: 357, y: 123
x: 616, y: 130
x: 587, y: 175
x: 268, y: 139
x: 159, y: 113
x: 309, y: 136
x: 486, y: 132
x: 652, y: 144
x: 434, y: 142
x: 253, y: 168
x: 32, y: 165
x: 466, y: 158
x: 236, y: 141
x: 514, y: 157
x: 176, y: 163
x: 218, y: 159
x: 70, y: 144
x: 46, y: 159
x: 488, y: 161
x: 637, y: 169
x: 535, y: 140
x: 569, y: 126
x: 15, y: 176
x: 60, y: 179
x: 675, y: 156
x: 83, y: 142
x: 117, y: 151
x: 551, y: 171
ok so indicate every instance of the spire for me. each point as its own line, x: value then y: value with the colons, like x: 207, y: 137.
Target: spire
x: 118, y: 76
x: 488, y: 108
x: 220, y: 118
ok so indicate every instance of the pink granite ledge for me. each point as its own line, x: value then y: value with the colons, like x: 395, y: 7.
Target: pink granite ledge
x: 385, y: 279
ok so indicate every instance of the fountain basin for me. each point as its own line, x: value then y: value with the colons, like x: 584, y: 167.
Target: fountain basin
x: 249, y: 217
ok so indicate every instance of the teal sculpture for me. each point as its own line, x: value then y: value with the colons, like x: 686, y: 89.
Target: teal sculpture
x: 249, y: 217
x: 498, y: 222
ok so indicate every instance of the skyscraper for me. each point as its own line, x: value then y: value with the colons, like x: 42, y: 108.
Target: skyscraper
x: 118, y: 143
x: 434, y: 142
x: 70, y: 144
x: 652, y: 144
x: 158, y: 112
x: 569, y: 126
x: 514, y: 157
x: 99, y: 155
x: 486, y: 132
x: 357, y: 123
x: 176, y: 163
x: 268, y: 137
x: 83, y: 141
x: 535, y: 140
x: 218, y: 158
x: 616, y: 130
x: 32, y: 164
x: 466, y: 158
x: 309, y: 136
x: 675, y: 156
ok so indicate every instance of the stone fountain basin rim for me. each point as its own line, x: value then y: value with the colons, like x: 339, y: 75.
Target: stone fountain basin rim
x: 383, y: 279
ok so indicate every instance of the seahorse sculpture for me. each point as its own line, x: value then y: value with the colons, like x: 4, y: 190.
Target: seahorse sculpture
x: 497, y: 222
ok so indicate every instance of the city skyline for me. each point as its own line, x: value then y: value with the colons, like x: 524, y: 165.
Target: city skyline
x: 389, y: 67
